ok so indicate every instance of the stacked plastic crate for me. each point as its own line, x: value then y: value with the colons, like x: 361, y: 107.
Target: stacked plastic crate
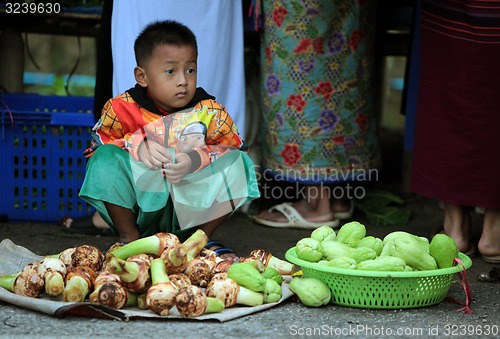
x: 42, y: 169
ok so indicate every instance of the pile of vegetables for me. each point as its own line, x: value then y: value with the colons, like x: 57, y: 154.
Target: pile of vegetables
x: 351, y: 248
x: 398, y: 251
x: 154, y: 273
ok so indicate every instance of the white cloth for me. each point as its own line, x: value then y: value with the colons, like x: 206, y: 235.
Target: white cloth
x: 218, y: 26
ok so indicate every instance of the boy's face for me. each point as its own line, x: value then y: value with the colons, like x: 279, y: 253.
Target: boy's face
x: 170, y: 76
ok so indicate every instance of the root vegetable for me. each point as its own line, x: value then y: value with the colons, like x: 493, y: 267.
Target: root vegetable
x: 199, y: 272
x: 87, y: 255
x: 222, y: 266
x: 134, y: 271
x: 195, y: 243
x: 27, y: 282
x: 175, y: 259
x: 53, y: 271
x: 65, y: 256
x: 160, y: 297
x: 103, y: 277
x: 269, y: 260
x: 115, y: 295
x: 141, y: 302
x: 79, y: 283
x: 228, y: 291
x: 153, y: 245
x: 180, y: 280
x: 191, y: 301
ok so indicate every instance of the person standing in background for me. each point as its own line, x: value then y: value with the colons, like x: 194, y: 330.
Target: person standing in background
x: 319, y: 114
x: 455, y: 153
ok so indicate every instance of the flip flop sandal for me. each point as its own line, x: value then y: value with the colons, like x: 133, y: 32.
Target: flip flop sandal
x: 220, y: 248
x: 295, y: 220
x: 492, y: 259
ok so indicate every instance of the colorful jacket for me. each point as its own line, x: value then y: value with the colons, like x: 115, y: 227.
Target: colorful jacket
x: 129, y: 118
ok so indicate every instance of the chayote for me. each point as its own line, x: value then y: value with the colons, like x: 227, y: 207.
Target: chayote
x: 351, y: 233
x: 322, y: 233
x: 309, y: 249
x: 311, y: 291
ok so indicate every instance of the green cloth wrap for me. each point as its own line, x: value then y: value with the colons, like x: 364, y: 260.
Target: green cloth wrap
x: 114, y: 176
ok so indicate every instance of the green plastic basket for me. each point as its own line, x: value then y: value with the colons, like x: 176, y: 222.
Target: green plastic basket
x: 382, y: 290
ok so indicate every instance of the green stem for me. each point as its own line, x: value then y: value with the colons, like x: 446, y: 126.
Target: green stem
x: 76, y: 289
x: 158, y: 271
x: 132, y: 299
x: 177, y: 255
x: 195, y: 243
x: 147, y: 245
x: 127, y: 270
x: 8, y: 281
x: 214, y: 305
x: 249, y: 298
x: 54, y: 283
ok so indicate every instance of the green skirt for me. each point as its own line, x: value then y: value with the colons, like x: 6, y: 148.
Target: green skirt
x: 114, y: 176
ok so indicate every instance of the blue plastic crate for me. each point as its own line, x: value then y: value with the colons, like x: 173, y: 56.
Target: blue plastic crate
x: 41, y: 141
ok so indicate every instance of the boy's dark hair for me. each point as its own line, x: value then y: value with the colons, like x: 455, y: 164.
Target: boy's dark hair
x: 166, y: 32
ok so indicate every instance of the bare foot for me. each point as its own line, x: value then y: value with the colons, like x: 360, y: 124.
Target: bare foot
x: 457, y: 225
x: 489, y: 243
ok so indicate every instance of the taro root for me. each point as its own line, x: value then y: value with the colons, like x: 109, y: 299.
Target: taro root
x: 65, y: 257
x: 210, y: 257
x: 53, y: 271
x: 191, y: 301
x: 153, y: 245
x: 79, y: 283
x: 160, y: 297
x: 87, y: 255
x: 27, y: 282
x: 228, y: 291
x: 222, y: 266
x: 134, y: 271
x: 269, y: 260
x: 198, y: 272
x: 115, y: 295
x: 175, y: 259
x: 103, y: 277
x: 180, y: 280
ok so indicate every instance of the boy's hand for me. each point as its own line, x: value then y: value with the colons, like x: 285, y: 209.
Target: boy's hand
x: 174, y: 172
x: 153, y: 155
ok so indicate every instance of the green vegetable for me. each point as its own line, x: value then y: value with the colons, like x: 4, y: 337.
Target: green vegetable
x: 387, y: 264
x: 309, y: 249
x: 334, y: 249
x: 363, y: 253
x: 351, y: 233
x: 342, y: 262
x: 231, y: 293
x: 411, y: 250
x: 311, y: 291
x: 372, y: 242
x: 272, y: 291
x: 272, y: 273
x: 444, y: 250
x: 323, y: 232
x: 245, y: 274
x: 422, y: 240
x: 157, y: 243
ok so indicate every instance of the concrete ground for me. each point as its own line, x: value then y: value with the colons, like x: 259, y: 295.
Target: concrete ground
x: 290, y: 318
